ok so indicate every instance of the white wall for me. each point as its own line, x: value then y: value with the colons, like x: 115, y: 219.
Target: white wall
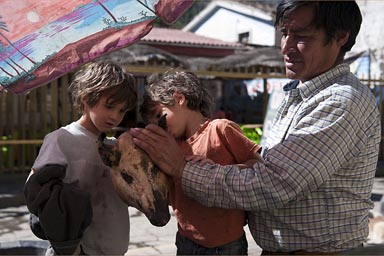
x: 225, y: 20
x: 226, y: 25
x: 371, y: 34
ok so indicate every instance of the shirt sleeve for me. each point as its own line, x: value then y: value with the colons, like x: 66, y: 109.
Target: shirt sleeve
x: 320, y: 142
x: 50, y: 152
x: 238, y: 144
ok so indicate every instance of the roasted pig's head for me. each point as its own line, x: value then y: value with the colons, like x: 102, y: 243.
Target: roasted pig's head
x: 138, y: 182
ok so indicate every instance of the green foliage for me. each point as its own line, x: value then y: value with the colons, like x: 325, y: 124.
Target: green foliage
x: 253, y: 134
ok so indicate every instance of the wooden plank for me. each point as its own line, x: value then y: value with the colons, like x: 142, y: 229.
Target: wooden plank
x: 252, y: 126
x: 22, y: 129
x: 2, y: 121
x: 64, y: 101
x: 8, y: 130
x: 43, y: 111
x: 9, y: 115
x: 21, y: 112
x: 265, y: 98
x: 3, y: 100
x: 75, y: 115
x: 21, y: 142
x: 3, y: 154
x: 54, y: 105
x: 32, y: 122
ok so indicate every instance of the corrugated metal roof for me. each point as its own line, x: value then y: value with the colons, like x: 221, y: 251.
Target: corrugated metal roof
x: 179, y: 37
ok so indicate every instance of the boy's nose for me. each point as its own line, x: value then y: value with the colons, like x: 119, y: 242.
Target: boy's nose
x: 116, y: 115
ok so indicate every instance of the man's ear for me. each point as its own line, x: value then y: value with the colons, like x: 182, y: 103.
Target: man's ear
x: 179, y: 98
x: 342, y: 38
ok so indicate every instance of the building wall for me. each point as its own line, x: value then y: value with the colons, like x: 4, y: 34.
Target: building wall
x: 225, y: 20
x: 371, y: 34
x: 226, y: 25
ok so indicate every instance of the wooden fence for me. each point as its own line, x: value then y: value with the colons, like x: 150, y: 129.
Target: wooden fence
x: 26, y: 119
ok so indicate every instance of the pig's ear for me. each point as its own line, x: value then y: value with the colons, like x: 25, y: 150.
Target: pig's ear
x: 108, y: 150
x: 101, y: 137
x: 163, y: 122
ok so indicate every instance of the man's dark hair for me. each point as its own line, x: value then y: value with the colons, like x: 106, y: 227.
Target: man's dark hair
x: 334, y: 16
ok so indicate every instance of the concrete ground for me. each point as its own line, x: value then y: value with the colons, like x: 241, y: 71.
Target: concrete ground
x: 145, y: 238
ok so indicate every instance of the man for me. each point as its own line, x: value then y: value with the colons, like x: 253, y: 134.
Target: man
x: 311, y: 194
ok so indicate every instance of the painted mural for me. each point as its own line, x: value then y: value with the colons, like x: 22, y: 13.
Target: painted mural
x: 41, y: 40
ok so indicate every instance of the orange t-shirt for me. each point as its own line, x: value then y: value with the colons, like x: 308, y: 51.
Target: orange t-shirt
x: 223, y: 142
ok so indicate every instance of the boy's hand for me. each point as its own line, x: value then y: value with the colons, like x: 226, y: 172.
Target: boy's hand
x: 161, y: 147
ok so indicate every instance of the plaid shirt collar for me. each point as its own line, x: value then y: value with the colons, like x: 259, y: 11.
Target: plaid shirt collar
x: 311, y: 87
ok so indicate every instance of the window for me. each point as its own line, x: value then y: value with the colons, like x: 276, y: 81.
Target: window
x: 244, y: 37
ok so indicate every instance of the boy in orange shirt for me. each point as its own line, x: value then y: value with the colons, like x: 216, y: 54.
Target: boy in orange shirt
x: 187, y: 105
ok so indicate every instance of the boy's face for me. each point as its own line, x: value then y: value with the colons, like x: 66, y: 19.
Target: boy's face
x: 154, y: 115
x: 175, y: 118
x: 103, y: 116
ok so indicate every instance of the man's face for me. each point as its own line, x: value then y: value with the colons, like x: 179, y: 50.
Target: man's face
x: 305, y: 53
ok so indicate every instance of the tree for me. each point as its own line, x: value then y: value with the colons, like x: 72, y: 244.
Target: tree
x: 3, y: 49
x: 107, y: 11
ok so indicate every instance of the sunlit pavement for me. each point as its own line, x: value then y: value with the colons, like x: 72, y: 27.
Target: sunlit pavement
x: 146, y: 239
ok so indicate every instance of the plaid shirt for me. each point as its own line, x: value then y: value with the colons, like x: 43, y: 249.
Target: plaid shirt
x: 313, y: 190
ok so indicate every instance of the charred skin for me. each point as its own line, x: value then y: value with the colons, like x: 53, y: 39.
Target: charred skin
x: 137, y: 180
x: 163, y: 122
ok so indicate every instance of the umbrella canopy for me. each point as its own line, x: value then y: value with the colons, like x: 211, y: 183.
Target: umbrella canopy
x: 41, y: 40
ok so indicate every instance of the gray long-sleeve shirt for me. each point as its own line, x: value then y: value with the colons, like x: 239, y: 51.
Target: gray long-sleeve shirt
x: 75, y: 147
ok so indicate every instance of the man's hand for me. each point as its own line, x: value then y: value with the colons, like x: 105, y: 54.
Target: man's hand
x: 161, y: 147
x: 250, y: 162
x: 201, y: 160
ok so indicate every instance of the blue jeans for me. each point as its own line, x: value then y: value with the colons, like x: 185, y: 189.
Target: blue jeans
x: 186, y: 246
